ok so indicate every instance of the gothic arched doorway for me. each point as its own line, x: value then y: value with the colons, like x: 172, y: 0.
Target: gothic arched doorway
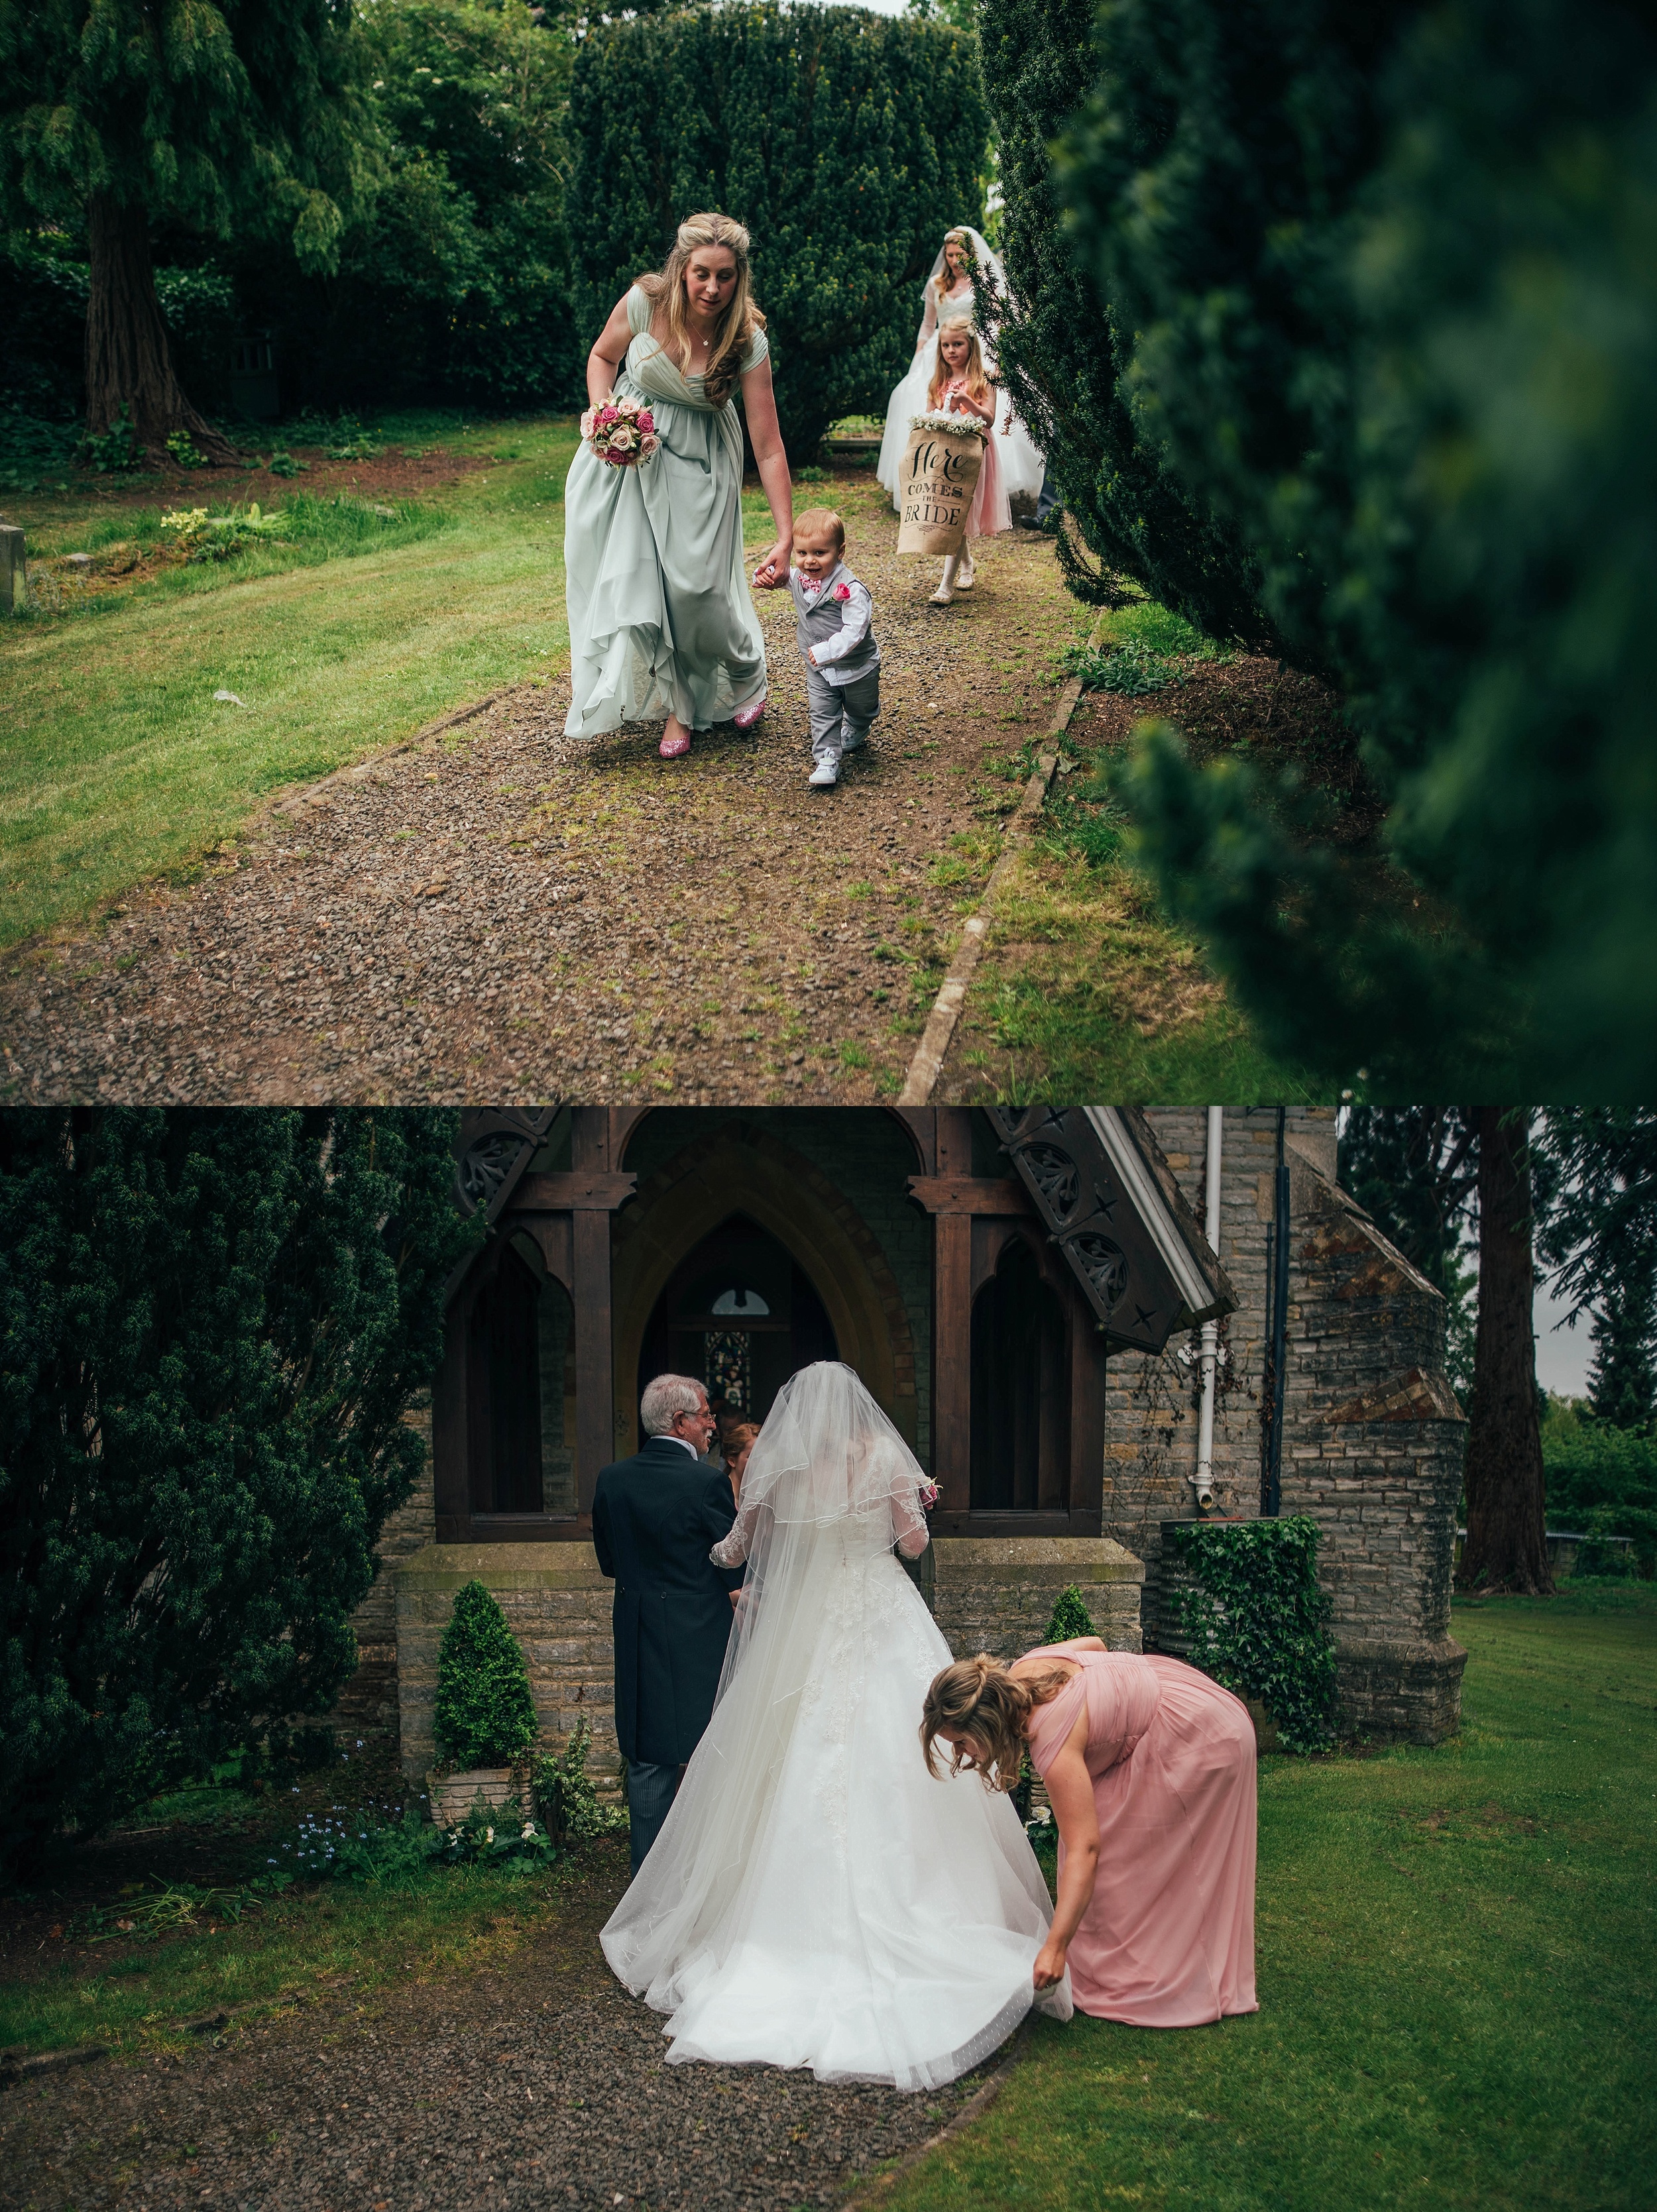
x: 739, y: 1314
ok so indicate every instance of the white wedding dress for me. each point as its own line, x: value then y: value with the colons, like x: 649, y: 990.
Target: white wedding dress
x: 816, y: 1898
x: 1020, y: 463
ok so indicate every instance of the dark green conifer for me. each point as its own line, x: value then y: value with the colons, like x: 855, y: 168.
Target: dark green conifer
x: 200, y: 116
x: 213, y: 1326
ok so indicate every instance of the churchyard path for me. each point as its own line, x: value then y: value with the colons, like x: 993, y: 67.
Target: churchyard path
x: 495, y: 910
x: 536, y: 2080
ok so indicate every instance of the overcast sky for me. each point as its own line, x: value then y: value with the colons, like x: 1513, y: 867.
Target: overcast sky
x: 1562, y: 1354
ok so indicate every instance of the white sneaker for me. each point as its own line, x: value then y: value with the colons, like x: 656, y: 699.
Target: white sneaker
x: 853, y: 745
x: 823, y: 776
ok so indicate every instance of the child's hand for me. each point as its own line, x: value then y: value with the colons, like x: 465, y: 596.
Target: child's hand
x: 811, y: 656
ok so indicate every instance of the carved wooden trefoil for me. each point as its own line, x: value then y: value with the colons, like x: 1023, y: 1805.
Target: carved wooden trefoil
x: 1098, y: 1225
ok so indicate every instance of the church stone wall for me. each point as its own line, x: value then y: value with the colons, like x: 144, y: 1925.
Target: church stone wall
x: 998, y: 1593
x: 368, y: 1708
x: 557, y: 1604
x: 1373, y: 1436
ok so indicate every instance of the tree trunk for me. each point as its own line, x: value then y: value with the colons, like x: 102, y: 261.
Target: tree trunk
x: 1506, y: 1547
x: 128, y: 361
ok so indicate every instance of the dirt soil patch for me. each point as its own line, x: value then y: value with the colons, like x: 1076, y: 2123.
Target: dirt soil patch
x: 1253, y: 709
x: 535, y: 2079
x: 506, y: 912
x: 398, y: 472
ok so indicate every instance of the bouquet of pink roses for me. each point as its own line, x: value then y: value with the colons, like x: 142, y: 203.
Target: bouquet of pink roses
x: 622, y: 432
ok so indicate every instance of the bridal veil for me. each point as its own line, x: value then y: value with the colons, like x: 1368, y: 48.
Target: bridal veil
x: 816, y: 1898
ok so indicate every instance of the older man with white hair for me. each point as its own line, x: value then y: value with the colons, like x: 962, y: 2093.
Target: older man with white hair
x: 655, y: 1517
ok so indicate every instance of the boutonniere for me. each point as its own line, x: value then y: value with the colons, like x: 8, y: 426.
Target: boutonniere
x: 843, y: 590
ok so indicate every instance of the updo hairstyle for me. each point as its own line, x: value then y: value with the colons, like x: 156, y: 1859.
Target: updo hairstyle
x: 979, y: 1698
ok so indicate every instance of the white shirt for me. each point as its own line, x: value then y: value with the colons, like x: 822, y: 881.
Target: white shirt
x: 690, y: 1447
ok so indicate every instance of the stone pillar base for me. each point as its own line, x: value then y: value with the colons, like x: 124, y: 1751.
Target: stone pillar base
x: 996, y: 1594
x: 557, y: 1604
x: 1401, y: 1692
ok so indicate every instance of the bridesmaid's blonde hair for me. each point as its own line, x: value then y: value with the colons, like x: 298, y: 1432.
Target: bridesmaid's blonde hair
x: 740, y: 320
x: 978, y: 380
x: 979, y: 1698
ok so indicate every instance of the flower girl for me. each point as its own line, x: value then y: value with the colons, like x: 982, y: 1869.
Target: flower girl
x: 961, y: 385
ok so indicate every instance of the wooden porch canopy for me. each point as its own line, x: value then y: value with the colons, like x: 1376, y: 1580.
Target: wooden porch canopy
x: 1088, y: 1199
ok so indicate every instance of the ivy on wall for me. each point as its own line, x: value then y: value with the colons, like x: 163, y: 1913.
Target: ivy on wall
x: 1258, y: 1621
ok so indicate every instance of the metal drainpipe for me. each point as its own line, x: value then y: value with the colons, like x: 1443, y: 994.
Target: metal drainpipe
x: 1202, y: 1481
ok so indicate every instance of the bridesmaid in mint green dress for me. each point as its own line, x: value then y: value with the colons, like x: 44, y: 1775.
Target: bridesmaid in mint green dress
x: 662, y: 624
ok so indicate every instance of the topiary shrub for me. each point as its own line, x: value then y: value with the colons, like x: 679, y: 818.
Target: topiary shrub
x: 848, y: 143
x: 1069, y: 1617
x: 484, y: 1715
x: 1258, y: 1621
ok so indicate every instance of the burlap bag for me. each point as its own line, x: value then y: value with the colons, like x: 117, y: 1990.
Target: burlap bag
x: 939, y: 474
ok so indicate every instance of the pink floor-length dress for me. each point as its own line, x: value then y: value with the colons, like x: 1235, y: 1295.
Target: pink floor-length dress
x: 1168, y: 1938
x: 991, y: 512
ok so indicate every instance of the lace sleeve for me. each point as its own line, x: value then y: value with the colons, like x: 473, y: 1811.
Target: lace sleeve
x: 929, y: 318
x: 908, y: 1523
x: 731, y: 1550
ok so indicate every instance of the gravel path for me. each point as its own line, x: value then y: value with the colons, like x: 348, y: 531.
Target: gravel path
x: 537, y: 2082
x: 502, y: 912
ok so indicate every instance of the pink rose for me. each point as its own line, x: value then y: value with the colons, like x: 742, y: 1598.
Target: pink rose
x: 843, y: 590
x: 647, y: 421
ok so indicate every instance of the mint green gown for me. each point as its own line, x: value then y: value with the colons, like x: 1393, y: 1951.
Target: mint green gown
x: 661, y: 616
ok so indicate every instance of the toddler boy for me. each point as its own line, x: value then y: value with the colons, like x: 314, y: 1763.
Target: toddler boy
x: 843, y: 661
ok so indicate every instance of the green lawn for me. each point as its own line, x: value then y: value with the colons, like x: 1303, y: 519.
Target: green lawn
x: 435, y: 1920
x: 1456, y: 1974
x: 116, y: 762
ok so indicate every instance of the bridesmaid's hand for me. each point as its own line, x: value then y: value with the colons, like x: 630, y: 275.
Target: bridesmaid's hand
x: 1050, y: 1964
x: 773, y: 569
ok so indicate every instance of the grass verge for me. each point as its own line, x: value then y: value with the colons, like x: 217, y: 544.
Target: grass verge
x: 1455, y: 1952
x: 117, y: 760
x: 1086, y: 990
x: 309, y: 1941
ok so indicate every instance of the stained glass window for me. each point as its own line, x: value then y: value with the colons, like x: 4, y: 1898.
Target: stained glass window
x: 728, y: 1368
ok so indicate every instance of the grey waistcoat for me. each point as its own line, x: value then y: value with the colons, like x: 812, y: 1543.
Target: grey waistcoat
x: 819, y: 619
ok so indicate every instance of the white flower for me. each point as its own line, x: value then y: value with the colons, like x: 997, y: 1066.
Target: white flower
x: 489, y: 1835
x: 529, y: 1830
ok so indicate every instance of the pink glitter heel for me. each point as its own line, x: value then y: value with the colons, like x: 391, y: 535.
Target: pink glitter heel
x: 673, y: 748
x: 745, y: 717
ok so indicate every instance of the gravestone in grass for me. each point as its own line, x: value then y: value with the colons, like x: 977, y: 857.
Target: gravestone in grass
x: 484, y: 1718
x: 14, y: 587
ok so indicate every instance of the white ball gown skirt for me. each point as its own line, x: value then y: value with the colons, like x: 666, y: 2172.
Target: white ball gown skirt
x: 816, y: 1898
x: 1020, y: 465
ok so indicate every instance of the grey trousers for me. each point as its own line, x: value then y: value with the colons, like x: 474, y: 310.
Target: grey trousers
x: 650, y: 1792
x: 841, y: 713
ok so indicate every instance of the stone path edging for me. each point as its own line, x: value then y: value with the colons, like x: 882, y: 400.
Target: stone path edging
x: 353, y: 771
x: 930, y: 1053
x: 872, y: 2193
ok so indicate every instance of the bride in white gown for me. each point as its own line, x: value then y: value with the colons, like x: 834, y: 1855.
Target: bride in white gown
x: 816, y: 1898
x: 948, y: 299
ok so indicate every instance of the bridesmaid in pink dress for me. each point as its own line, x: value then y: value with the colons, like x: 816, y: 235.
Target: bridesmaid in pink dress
x: 1150, y: 1767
